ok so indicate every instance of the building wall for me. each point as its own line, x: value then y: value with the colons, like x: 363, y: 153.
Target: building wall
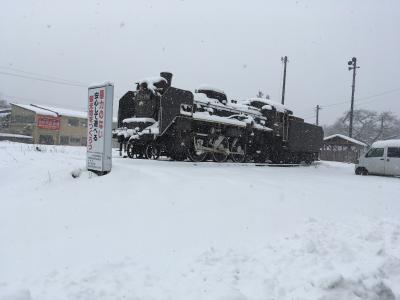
x: 45, y: 136
x: 72, y: 131
x: 22, y: 121
x: 341, y: 153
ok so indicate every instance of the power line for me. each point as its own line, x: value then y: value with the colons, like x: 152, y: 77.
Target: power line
x: 30, y: 100
x: 42, y: 79
x: 309, y: 117
x: 42, y: 75
x: 362, y: 99
x: 366, y: 98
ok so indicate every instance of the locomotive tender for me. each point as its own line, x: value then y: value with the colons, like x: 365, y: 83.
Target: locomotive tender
x: 158, y: 119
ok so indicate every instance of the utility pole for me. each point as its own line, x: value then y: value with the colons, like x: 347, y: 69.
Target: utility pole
x: 284, y: 60
x: 352, y: 66
x: 317, y: 109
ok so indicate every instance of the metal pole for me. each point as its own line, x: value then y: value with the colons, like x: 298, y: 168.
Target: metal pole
x: 284, y: 60
x: 353, y: 64
x: 317, y: 115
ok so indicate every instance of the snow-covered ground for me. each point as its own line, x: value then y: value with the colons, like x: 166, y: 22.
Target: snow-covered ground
x: 179, y: 230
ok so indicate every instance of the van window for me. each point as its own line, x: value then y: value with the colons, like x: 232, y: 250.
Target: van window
x: 375, y: 152
x: 393, y: 152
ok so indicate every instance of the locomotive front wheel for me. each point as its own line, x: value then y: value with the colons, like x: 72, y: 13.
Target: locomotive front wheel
x: 129, y: 150
x: 152, y: 152
x: 239, y: 151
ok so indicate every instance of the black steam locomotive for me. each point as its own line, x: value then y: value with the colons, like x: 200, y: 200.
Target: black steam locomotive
x: 158, y: 119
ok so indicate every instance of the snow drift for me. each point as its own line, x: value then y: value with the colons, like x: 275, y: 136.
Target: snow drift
x: 180, y: 230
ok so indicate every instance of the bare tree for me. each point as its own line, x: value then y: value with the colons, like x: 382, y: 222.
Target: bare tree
x: 368, y: 126
x: 389, y: 126
x: 260, y: 94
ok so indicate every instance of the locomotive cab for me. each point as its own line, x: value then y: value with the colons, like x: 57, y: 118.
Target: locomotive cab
x: 145, y: 104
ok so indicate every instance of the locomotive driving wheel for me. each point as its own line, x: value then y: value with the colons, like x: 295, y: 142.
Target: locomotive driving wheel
x: 152, y: 151
x: 238, y: 151
x: 221, y: 145
x: 195, y: 153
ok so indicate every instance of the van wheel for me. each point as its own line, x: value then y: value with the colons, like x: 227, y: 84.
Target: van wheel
x: 361, y: 171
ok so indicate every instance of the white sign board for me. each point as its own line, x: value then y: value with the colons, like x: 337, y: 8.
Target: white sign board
x: 99, y: 135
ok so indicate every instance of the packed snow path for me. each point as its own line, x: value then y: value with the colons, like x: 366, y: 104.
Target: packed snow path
x: 180, y: 230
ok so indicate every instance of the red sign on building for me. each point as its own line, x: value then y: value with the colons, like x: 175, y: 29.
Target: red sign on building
x: 48, y: 122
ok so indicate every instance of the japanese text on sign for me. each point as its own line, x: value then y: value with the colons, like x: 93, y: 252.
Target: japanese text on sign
x: 48, y: 122
x: 96, y: 120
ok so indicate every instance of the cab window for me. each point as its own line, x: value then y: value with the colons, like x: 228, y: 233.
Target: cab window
x: 375, y: 152
x: 393, y: 152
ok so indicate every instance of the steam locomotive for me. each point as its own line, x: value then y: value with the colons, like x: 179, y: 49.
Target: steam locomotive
x: 160, y: 120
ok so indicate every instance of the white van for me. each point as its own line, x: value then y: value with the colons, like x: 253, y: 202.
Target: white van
x: 383, y: 159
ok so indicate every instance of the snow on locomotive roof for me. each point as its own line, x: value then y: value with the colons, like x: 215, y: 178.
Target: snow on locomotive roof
x: 139, y: 120
x: 268, y: 103
x: 243, y: 107
x: 236, y: 107
x: 151, y: 81
x: 210, y: 88
x: 354, y: 141
x: 387, y: 143
x: 205, y: 116
x: 200, y: 97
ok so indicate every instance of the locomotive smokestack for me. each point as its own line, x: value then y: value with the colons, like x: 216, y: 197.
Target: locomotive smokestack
x: 167, y: 76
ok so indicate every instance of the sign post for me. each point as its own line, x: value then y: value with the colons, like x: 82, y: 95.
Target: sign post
x: 99, y: 135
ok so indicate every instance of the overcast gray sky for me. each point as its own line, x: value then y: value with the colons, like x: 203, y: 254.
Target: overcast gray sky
x: 231, y: 44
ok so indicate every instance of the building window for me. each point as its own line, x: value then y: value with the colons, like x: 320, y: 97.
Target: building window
x: 73, y: 122
x: 64, y: 140
x: 46, y: 139
x: 24, y: 119
x: 75, y: 140
x: 83, y: 141
x: 83, y: 124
